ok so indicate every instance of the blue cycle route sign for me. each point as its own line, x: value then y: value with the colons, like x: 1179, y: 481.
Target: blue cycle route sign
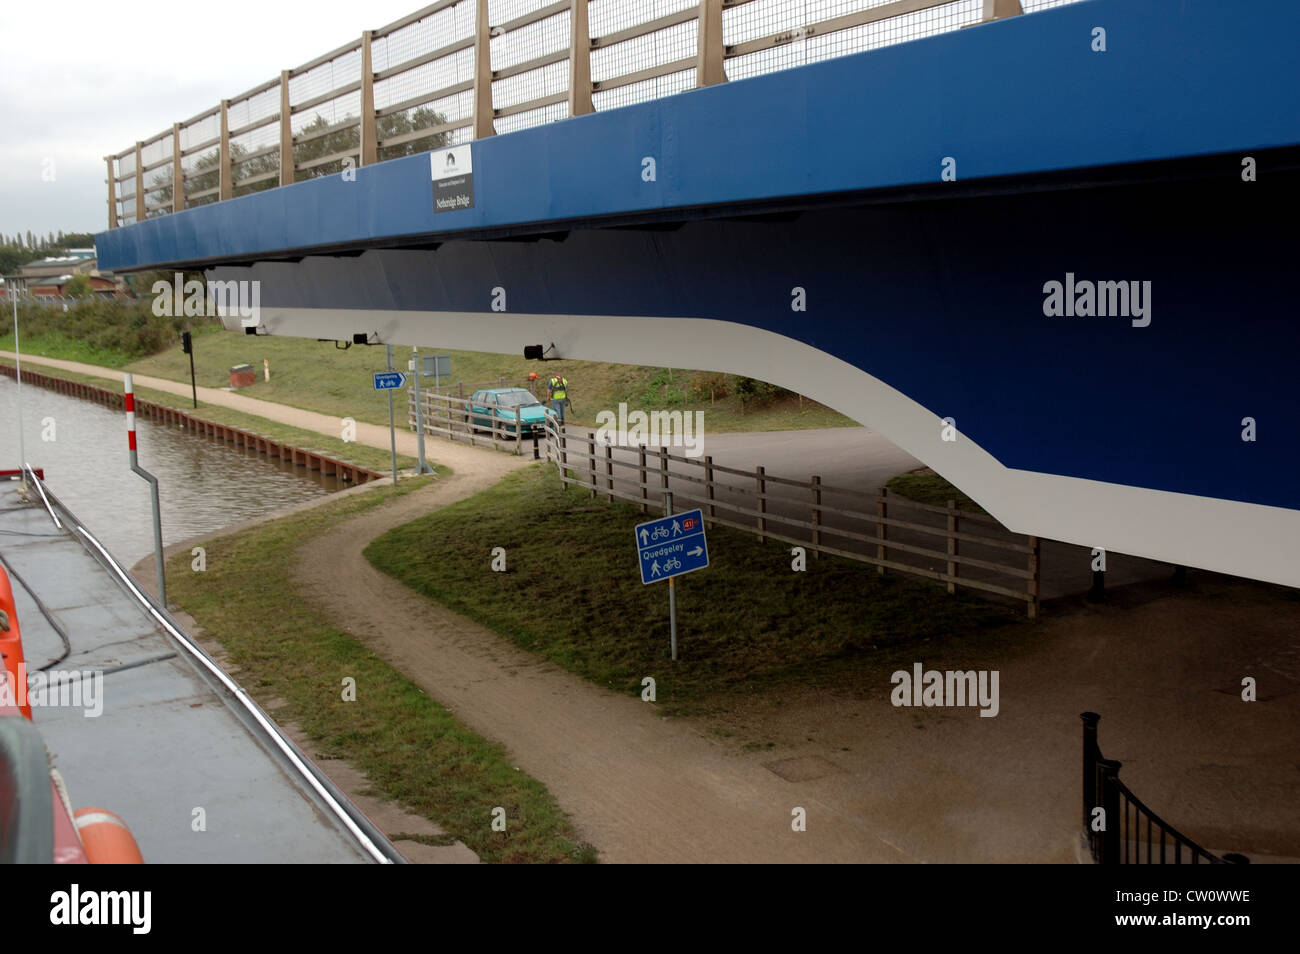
x: 671, y: 546
x: 389, y: 380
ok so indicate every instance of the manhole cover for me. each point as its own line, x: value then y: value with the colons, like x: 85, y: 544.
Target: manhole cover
x: 802, y: 769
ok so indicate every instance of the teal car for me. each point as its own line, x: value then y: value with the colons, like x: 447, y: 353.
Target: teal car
x: 500, y: 404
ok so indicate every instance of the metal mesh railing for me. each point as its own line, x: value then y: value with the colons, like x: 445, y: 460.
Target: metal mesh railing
x: 416, y: 84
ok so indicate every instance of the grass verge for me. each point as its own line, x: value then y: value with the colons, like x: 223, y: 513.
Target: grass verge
x: 352, y: 452
x: 927, y: 487
x: 571, y: 593
x: 411, y: 748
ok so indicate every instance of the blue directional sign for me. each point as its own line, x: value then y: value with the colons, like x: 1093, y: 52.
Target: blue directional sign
x: 389, y: 380
x: 671, y: 546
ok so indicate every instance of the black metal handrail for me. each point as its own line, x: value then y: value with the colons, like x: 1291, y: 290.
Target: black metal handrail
x: 1120, y: 840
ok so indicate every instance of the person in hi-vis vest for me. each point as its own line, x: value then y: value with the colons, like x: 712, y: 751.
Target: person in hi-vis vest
x: 559, y: 388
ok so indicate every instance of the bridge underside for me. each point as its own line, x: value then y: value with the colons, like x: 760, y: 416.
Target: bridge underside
x: 1123, y: 432
x: 803, y: 228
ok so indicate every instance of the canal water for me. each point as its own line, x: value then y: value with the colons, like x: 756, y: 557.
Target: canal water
x: 204, y: 484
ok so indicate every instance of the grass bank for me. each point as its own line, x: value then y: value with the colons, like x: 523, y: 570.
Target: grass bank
x: 320, y: 377
x: 571, y: 593
x: 111, y: 332
x: 411, y: 748
x: 371, y: 457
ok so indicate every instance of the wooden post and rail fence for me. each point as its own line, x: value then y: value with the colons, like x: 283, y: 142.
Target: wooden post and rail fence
x: 958, y: 548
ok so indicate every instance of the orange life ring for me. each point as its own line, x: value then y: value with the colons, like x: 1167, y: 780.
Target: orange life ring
x: 106, y: 838
x: 11, y: 647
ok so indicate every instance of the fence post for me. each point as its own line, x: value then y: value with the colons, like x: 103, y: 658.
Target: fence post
x: 286, y: 131
x: 178, y: 170
x: 609, y: 471
x: 643, y: 476
x: 761, y: 482
x: 816, y: 484
x: 141, y: 213
x: 519, y: 432
x: 579, y: 60
x: 1035, y: 549
x: 663, y: 469
x: 224, y: 183
x: 708, y: 485
x: 591, y: 460
x: 882, y: 512
x: 564, y: 457
x: 1090, y: 756
x: 710, y: 53
x: 112, y: 192
x: 952, y: 545
x: 1108, y: 783
x: 369, y: 153
x: 997, y: 9
x: 483, y: 113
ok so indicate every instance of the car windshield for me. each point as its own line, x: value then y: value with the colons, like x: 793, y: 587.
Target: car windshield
x: 516, y: 398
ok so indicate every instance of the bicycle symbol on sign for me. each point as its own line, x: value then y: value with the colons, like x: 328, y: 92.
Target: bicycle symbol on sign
x: 659, y: 533
x: 672, y: 564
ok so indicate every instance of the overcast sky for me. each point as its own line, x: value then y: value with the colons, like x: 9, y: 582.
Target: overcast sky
x: 77, y: 85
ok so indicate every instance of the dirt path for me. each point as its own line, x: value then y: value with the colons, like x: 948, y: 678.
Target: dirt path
x: 640, y: 787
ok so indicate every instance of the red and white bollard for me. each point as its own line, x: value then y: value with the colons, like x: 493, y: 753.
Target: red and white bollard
x: 128, y: 401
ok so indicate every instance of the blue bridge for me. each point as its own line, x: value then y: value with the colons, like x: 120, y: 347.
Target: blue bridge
x: 1048, y: 253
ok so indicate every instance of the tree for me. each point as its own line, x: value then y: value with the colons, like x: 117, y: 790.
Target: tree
x: 78, y: 286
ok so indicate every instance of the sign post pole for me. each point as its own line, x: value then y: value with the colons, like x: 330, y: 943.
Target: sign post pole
x: 667, y: 547
x: 419, y: 413
x: 672, y: 592
x: 392, y: 432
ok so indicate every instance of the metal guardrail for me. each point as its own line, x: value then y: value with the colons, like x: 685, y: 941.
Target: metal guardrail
x: 465, y: 69
x: 1120, y: 841
x: 369, y: 839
